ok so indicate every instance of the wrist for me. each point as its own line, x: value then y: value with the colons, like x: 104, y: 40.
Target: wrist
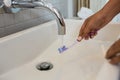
x: 111, y: 9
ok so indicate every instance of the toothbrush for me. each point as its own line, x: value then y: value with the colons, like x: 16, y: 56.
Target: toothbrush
x: 64, y: 48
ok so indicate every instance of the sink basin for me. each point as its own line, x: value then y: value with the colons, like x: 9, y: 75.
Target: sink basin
x: 22, y: 51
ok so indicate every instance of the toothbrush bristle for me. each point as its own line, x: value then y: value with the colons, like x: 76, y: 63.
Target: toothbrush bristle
x: 62, y: 49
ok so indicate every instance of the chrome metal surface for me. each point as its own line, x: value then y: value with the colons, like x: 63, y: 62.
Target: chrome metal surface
x: 47, y: 6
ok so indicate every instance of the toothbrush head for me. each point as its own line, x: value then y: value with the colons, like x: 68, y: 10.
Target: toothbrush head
x: 62, y: 49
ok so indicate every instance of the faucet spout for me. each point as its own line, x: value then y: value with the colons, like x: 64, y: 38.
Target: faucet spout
x: 47, y: 6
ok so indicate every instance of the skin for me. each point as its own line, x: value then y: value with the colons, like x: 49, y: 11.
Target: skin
x: 96, y: 22
x: 113, y: 53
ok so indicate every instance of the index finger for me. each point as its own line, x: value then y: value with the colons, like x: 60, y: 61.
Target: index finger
x: 82, y: 29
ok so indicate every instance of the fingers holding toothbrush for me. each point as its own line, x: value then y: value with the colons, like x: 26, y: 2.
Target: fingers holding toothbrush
x: 92, y: 25
x: 88, y: 30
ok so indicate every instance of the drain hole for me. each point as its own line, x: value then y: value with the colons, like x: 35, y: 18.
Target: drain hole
x: 44, y: 66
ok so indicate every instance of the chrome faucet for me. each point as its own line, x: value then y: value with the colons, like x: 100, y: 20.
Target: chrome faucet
x: 45, y: 5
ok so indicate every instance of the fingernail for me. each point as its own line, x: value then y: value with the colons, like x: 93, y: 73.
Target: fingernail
x: 79, y: 38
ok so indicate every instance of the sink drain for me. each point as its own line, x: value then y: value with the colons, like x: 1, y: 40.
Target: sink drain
x: 44, y: 66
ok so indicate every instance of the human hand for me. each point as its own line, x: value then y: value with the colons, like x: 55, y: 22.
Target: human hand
x: 92, y: 24
x: 113, y: 53
x: 98, y: 20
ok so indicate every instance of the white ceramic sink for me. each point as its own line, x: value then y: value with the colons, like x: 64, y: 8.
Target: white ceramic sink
x: 22, y: 51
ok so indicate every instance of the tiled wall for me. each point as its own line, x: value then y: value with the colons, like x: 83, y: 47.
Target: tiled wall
x: 11, y: 23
